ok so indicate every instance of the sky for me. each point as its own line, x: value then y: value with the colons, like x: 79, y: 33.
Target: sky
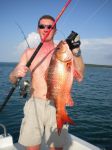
x: 91, y: 19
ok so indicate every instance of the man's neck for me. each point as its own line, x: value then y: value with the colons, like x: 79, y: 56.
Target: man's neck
x: 49, y: 42
x: 48, y: 45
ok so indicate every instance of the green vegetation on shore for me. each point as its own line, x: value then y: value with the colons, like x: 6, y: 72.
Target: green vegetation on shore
x: 95, y: 65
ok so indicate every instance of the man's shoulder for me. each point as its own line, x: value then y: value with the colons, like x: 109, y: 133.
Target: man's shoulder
x: 30, y: 49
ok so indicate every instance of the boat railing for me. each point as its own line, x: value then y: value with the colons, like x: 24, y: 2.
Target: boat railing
x: 4, y: 128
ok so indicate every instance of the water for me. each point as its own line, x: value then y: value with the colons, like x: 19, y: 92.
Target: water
x: 92, y: 112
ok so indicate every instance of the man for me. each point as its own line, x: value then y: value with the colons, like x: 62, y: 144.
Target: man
x: 39, y: 113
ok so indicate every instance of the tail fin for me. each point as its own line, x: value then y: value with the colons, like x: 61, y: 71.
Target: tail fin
x: 67, y: 119
x: 62, y: 119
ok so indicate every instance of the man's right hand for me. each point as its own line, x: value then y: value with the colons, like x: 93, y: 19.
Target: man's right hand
x: 20, y: 71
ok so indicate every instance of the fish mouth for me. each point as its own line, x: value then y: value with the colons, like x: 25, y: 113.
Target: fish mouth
x: 62, y: 52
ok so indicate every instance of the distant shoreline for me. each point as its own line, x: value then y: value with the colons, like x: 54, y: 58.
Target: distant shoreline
x: 91, y: 65
x: 95, y: 65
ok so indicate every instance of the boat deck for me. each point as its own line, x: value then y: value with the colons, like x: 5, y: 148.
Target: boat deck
x: 73, y: 143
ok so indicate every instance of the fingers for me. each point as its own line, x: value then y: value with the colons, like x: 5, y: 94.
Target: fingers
x: 21, y: 71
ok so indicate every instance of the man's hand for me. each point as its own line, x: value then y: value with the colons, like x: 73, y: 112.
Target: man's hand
x: 73, y: 40
x: 21, y: 71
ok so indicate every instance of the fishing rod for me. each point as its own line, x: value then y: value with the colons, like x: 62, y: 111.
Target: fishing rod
x: 33, y: 55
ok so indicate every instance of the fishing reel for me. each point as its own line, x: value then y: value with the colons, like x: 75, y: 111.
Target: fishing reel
x: 24, y: 88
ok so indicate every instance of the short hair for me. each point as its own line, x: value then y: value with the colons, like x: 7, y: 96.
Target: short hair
x: 46, y: 17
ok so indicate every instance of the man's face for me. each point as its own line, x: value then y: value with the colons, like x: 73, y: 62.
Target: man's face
x: 44, y: 26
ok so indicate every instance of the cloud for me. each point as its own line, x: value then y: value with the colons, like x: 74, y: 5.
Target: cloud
x: 94, y: 51
x: 97, y: 51
x: 33, y: 40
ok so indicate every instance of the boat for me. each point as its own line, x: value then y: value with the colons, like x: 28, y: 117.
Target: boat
x: 73, y: 143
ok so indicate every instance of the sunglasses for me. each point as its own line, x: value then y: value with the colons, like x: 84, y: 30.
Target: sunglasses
x: 42, y: 26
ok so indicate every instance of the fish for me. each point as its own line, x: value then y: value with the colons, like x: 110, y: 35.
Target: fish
x: 59, y: 79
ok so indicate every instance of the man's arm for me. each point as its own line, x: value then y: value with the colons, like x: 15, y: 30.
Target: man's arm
x: 79, y: 64
x: 20, y: 70
x: 73, y: 40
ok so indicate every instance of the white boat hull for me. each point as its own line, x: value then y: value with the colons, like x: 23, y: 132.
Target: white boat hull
x: 73, y: 143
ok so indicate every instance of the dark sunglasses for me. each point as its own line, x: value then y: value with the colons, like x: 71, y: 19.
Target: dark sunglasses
x: 42, y: 26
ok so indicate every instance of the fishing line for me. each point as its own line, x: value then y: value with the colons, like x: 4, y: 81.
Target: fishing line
x: 60, y: 32
x: 33, y: 56
x: 57, y: 18
x: 22, y: 33
x: 64, y: 23
x: 72, y: 8
x: 65, y: 20
x: 94, y: 13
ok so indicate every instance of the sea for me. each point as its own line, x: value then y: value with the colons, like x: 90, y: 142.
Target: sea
x: 92, y: 112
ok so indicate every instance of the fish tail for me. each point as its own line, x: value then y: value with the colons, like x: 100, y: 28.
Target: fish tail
x: 63, y: 119
x: 67, y: 119
x: 59, y: 124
